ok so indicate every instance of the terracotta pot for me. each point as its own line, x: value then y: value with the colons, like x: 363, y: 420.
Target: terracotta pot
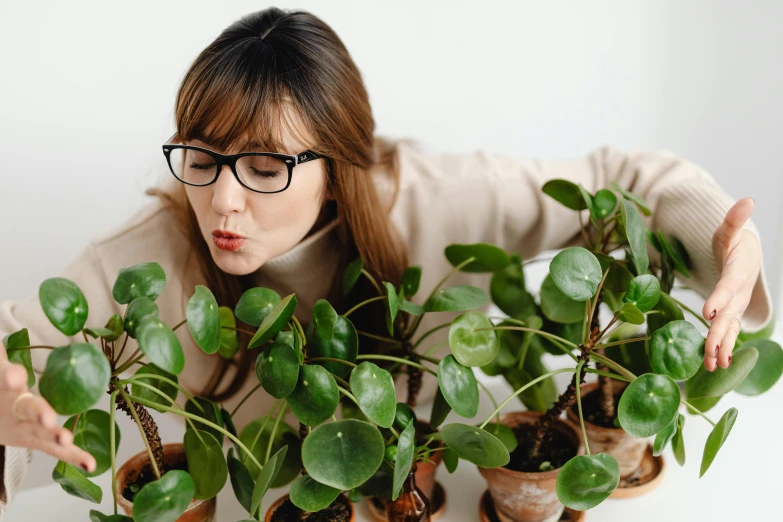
x: 279, y: 502
x: 173, y: 455
x: 528, y: 496
x: 627, y: 450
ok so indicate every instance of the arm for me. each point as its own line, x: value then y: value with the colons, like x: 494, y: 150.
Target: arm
x: 496, y: 198
x: 86, y: 271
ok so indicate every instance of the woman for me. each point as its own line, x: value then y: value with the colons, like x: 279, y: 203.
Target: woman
x: 283, y: 82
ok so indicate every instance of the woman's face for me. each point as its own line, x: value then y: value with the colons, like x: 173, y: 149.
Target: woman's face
x: 271, y: 223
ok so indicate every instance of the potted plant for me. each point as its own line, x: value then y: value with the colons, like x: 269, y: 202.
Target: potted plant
x: 570, y: 295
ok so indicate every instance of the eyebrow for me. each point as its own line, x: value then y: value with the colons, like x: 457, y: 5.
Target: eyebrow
x: 251, y: 145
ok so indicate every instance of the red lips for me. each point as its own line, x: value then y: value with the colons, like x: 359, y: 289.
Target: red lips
x: 226, y: 233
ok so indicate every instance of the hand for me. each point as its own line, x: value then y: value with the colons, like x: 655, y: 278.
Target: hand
x: 738, y: 255
x: 38, y: 428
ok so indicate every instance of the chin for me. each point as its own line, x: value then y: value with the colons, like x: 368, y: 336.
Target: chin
x: 233, y: 263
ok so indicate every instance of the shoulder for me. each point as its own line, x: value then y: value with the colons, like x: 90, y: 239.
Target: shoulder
x: 151, y: 233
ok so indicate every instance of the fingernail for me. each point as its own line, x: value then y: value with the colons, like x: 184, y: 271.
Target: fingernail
x: 729, y: 366
x: 717, y: 349
x: 712, y: 315
x: 86, y: 468
x: 59, y: 439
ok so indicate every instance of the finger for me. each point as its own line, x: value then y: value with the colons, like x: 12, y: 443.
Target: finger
x: 710, y: 363
x: 35, y: 408
x: 43, y: 439
x: 728, y: 231
x: 716, y: 333
x: 730, y: 284
x: 727, y: 344
x: 13, y: 376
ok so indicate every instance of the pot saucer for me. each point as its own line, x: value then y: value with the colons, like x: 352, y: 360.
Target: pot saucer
x: 377, y: 507
x: 487, y: 511
x: 646, y: 478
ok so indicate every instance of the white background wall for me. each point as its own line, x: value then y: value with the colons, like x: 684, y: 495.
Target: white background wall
x: 87, y: 92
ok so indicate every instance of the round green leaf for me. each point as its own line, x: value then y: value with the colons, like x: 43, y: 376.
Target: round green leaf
x: 91, y: 434
x: 648, y: 405
x: 459, y: 387
x: 716, y: 438
x: 64, y: 304
x: 315, y: 397
x: 324, y: 318
x: 630, y: 314
x: 720, y: 382
x: 504, y: 434
x: 576, y: 272
x: 508, y: 291
x: 159, y: 342
x: 241, y: 481
x: 472, y: 348
x: 145, y: 393
x: 75, y: 483
x: 352, y: 273
x: 256, y: 440
x: 255, y: 304
x: 97, y: 516
x: 209, y: 411
x: 75, y: 378
x: 343, y: 345
x: 677, y: 350
x: 229, y: 341
x: 392, y: 305
x: 403, y: 459
x: 277, y: 369
x: 663, y: 437
x: 604, y: 203
x: 206, y: 464
x: 637, y: 237
x: 639, y: 202
x: 587, y: 480
x: 403, y: 415
x: 343, y: 454
x: 277, y: 318
x: 557, y: 306
x: 618, y: 278
x: 565, y: 192
x: 138, y: 310
x: 644, y: 291
x: 475, y: 445
x: 203, y: 317
x: 456, y: 299
x: 142, y: 280
x: 165, y: 499
x: 310, y: 495
x: 488, y: 257
x: 411, y: 278
x: 766, y: 371
x: 373, y: 388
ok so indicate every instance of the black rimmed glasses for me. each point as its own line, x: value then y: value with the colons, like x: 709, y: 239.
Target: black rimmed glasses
x: 264, y: 172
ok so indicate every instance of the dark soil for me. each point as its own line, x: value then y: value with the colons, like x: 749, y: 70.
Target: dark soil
x: 556, y: 449
x: 339, y: 511
x: 591, y: 409
x: 147, y: 475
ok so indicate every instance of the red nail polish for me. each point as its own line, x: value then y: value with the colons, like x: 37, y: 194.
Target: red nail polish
x: 85, y: 467
x: 712, y: 315
x: 717, y: 349
x: 59, y: 439
x: 729, y: 366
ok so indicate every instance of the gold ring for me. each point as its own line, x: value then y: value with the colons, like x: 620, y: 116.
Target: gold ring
x: 16, y: 403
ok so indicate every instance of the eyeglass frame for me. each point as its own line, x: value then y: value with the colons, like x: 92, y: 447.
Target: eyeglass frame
x: 290, y: 160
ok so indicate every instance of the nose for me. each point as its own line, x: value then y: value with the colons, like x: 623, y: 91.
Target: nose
x: 229, y: 195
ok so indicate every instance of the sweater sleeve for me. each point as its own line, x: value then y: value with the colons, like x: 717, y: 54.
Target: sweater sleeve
x: 87, y: 272
x: 497, y: 198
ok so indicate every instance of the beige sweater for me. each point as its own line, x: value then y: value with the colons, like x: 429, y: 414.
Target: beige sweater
x: 443, y: 199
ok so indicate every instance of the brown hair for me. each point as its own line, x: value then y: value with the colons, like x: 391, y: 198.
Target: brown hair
x: 240, y: 84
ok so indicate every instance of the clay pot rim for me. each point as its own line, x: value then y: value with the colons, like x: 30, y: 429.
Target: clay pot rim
x: 586, y: 389
x: 144, y: 456
x: 280, y: 501
x: 552, y: 473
